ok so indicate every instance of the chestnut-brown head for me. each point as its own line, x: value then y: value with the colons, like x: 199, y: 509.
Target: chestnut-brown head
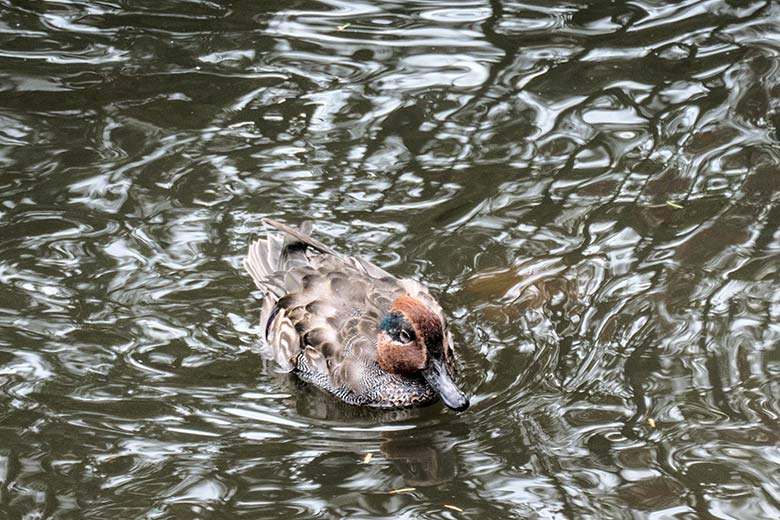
x: 411, y: 340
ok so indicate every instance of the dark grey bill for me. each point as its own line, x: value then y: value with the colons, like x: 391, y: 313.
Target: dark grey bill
x: 439, y: 378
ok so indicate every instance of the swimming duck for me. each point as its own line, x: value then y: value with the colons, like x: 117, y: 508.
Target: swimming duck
x: 348, y: 326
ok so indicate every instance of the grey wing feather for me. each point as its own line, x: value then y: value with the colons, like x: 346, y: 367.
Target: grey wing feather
x: 373, y: 270
x: 287, y: 343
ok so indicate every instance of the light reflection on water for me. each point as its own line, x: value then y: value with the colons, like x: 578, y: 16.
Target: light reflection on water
x: 589, y: 188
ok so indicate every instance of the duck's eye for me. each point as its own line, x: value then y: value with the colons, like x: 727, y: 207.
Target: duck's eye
x: 404, y: 336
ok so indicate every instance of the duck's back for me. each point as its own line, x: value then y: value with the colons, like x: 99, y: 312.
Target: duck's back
x: 321, y: 315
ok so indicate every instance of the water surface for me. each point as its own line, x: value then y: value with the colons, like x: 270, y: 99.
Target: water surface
x: 590, y: 188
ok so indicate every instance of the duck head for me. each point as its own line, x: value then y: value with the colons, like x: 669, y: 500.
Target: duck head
x: 411, y: 341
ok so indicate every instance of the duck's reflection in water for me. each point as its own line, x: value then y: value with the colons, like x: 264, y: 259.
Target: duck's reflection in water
x: 425, y: 457
x: 420, y: 442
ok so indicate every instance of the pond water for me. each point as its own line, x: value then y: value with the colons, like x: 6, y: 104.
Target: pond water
x: 591, y: 189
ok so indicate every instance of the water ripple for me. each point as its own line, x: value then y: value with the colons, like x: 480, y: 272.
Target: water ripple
x: 589, y: 189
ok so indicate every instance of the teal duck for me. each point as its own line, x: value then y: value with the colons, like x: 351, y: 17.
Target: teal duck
x: 348, y: 326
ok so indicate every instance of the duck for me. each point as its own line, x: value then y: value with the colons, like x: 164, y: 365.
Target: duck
x: 349, y: 327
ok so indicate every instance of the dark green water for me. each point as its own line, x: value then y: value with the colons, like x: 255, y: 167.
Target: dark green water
x: 592, y: 189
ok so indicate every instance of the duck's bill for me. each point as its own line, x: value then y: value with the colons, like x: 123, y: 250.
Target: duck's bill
x: 439, y: 378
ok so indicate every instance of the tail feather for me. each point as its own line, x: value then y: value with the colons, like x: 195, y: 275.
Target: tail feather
x: 302, y: 236
x: 262, y: 260
x: 267, y: 256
